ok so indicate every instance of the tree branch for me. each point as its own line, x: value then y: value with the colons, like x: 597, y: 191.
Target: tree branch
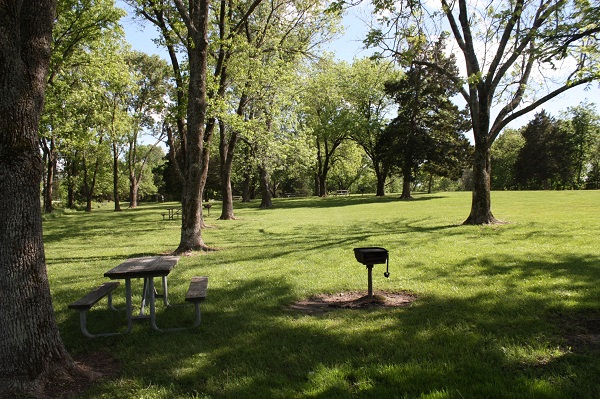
x: 501, y: 124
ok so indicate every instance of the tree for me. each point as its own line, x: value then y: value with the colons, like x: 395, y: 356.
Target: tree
x: 151, y: 75
x: 195, y: 17
x: 79, y: 26
x: 504, y: 156
x: 326, y: 115
x: 186, y: 25
x: 268, y: 48
x: 546, y: 160
x: 349, y: 165
x: 30, y: 345
x: 429, y: 126
x: 585, y: 127
x: 117, y: 86
x: 510, y: 49
x: 365, y: 91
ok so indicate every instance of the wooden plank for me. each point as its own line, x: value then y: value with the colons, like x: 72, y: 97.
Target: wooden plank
x: 144, y: 266
x: 94, y: 296
x: 197, y: 290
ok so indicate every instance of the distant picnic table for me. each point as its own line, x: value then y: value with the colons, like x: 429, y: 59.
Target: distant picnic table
x: 172, y: 213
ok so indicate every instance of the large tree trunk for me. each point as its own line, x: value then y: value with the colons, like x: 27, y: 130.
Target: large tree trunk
x: 133, y: 192
x: 133, y: 179
x: 248, y: 189
x: 481, y: 207
x: 323, y: 185
x: 406, y: 181
x: 89, y: 186
x: 191, y: 204
x: 30, y: 345
x: 226, y: 162
x: 50, y: 156
x: 265, y: 192
x: 380, y: 183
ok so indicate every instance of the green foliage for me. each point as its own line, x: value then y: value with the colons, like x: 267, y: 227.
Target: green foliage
x: 501, y: 312
x: 505, y: 152
x: 559, y: 153
x: 349, y: 164
x: 585, y: 132
x: 371, y: 107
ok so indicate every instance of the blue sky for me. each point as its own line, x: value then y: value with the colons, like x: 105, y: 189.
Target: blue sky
x: 348, y: 46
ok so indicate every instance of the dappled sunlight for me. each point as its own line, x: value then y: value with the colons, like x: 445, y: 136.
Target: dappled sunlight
x: 503, y: 309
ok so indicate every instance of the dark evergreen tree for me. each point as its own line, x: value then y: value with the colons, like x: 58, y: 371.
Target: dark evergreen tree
x: 429, y: 127
x: 548, y: 157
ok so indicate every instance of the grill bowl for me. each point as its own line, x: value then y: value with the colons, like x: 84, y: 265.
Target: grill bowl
x: 371, y: 255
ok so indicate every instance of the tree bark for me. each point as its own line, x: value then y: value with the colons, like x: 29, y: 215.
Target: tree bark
x: 266, y: 200
x: 116, y: 177
x: 247, y: 187
x: 191, y: 205
x: 48, y: 147
x: 133, y: 190
x: 133, y: 179
x: 30, y: 345
x: 226, y: 149
x: 380, y: 182
x: 481, y: 205
x: 406, y: 181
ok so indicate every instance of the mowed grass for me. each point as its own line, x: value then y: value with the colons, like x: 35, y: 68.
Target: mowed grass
x: 504, y: 311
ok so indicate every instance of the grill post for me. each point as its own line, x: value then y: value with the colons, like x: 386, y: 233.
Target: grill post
x: 370, y: 273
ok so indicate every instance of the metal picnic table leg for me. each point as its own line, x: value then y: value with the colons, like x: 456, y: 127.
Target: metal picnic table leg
x: 128, y: 305
x: 165, y: 293
x: 145, y: 293
x: 152, y: 306
x: 153, y: 310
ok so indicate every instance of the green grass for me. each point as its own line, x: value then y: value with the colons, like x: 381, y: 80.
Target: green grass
x: 498, y: 312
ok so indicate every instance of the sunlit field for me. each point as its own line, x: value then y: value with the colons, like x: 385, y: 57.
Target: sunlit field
x: 504, y: 311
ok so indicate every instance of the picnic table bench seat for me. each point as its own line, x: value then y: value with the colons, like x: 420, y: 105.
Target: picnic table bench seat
x: 197, y: 293
x: 85, y: 303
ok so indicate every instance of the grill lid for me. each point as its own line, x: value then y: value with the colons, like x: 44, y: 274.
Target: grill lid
x: 371, y: 255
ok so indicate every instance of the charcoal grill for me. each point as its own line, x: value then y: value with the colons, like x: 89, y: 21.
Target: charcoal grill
x: 370, y: 256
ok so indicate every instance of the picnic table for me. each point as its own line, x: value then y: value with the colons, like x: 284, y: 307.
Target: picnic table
x: 341, y: 192
x: 147, y: 268
x: 172, y: 213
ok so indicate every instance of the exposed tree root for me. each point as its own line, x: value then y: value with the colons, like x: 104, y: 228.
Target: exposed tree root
x: 188, y: 251
x: 487, y: 220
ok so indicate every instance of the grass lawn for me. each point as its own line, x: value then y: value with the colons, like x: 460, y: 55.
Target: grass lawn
x: 505, y: 311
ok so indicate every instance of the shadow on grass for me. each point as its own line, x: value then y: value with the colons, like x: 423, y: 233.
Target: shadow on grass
x: 334, y: 201
x: 502, y: 339
x: 82, y: 225
x: 266, y: 244
x: 251, y: 346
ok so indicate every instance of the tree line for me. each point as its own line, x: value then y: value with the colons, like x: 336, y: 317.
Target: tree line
x: 299, y: 125
x: 550, y: 153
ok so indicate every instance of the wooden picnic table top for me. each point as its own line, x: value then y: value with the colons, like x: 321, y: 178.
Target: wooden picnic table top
x: 147, y: 266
